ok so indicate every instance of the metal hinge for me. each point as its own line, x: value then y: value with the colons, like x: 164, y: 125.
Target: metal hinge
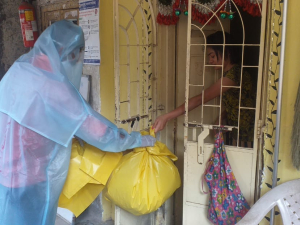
x: 260, y: 129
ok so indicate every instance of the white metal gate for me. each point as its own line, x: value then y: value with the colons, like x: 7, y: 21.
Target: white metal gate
x: 197, y: 144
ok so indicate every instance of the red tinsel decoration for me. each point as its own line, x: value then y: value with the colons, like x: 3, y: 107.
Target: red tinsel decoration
x: 203, y: 18
x: 169, y: 20
x: 246, y: 5
x: 249, y: 7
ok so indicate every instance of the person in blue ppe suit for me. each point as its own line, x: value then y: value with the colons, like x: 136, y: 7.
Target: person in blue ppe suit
x: 41, y: 110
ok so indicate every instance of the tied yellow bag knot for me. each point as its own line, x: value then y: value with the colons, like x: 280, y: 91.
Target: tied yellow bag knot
x: 144, y: 179
x: 89, y: 171
x: 159, y: 149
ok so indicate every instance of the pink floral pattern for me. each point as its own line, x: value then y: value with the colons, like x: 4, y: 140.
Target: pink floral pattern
x: 227, y: 204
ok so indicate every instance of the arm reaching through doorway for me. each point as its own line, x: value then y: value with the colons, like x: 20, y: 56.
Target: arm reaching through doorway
x: 209, y: 94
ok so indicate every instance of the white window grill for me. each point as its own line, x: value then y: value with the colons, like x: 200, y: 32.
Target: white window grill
x: 190, y: 131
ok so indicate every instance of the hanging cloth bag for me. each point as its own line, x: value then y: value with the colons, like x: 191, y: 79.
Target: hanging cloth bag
x: 227, y: 204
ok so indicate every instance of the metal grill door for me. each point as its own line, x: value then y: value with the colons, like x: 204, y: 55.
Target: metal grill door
x: 198, y: 134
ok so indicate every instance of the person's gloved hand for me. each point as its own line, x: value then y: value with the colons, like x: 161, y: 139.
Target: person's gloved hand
x: 148, y: 141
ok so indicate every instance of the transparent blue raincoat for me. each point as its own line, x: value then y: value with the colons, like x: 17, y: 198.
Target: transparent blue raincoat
x: 40, y: 112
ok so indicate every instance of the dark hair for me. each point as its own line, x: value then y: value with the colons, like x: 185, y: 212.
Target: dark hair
x: 231, y: 52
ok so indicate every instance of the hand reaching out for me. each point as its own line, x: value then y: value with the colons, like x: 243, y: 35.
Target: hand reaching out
x: 160, y: 123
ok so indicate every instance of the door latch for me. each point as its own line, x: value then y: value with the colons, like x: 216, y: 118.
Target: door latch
x: 161, y: 107
x: 200, y: 148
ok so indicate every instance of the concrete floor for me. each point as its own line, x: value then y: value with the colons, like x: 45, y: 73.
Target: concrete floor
x: 61, y: 221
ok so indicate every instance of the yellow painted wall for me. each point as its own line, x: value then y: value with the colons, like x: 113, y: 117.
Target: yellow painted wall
x: 290, y: 87
x: 107, y: 94
x: 291, y: 80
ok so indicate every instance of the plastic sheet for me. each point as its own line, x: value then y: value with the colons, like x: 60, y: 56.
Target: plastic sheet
x: 144, y: 179
x: 40, y: 111
x: 94, y: 214
x: 89, y: 171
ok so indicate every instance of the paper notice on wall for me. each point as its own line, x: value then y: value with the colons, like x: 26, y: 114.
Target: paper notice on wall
x: 89, y: 22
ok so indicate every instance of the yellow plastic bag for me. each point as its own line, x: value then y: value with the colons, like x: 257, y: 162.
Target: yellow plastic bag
x: 144, y: 179
x: 89, y: 171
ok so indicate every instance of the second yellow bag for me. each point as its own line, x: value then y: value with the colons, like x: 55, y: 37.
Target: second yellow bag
x: 88, y: 173
x: 144, y: 179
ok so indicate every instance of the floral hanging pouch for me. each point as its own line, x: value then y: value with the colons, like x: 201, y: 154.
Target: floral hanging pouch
x: 227, y: 204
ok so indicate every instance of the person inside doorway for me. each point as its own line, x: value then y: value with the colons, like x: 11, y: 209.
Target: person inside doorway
x: 231, y: 115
